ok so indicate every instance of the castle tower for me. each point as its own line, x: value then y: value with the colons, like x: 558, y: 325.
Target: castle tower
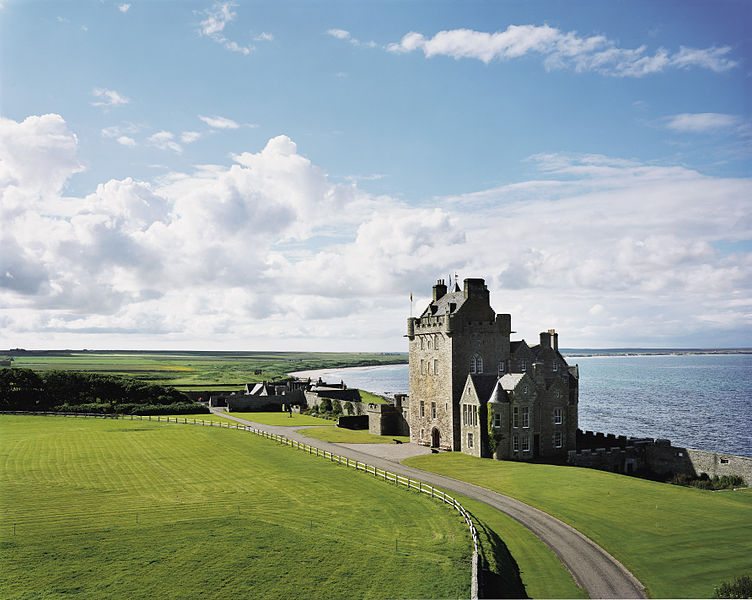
x: 456, y: 335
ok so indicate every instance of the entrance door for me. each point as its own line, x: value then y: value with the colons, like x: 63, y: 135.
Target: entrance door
x: 435, y: 438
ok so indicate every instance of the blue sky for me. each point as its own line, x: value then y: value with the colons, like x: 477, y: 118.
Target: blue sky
x: 284, y: 174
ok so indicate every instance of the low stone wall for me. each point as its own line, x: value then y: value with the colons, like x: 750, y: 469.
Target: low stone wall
x: 358, y: 422
x: 670, y: 459
x: 626, y: 455
x: 248, y: 403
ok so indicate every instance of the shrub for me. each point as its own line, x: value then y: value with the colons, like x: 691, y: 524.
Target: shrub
x: 336, y: 407
x: 325, y: 405
x: 349, y: 408
x: 741, y: 587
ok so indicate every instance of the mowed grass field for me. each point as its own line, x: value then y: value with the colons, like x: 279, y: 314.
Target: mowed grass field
x: 337, y: 435
x: 679, y: 542
x: 102, y: 508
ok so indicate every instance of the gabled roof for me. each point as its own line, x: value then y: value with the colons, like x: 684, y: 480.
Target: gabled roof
x: 441, y: 306
x: 484, y: 385
x: 256, y: 389
x: 515, y: 346
x: 510, y: 381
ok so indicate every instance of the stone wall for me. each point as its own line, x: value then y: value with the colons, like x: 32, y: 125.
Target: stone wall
x: 626, y: 455
x: 671, y: 459
x: 248, y: 403
x: 385, y: 419
x: 359, y: 422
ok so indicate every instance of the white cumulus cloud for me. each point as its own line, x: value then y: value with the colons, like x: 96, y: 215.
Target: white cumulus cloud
x: 267, y: 251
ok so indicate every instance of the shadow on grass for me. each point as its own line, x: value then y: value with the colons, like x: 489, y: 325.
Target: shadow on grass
x: 500, y: 574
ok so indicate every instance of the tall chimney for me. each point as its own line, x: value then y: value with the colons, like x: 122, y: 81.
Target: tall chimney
x: 554, y: 339
x: 545, y: 339
x: 439, y: 290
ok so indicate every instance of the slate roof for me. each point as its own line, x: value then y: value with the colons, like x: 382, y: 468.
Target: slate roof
x: 510, y: 381
x: 514, y: 346
x: 441, y: 306
x: 498, y: 396
x: 484, y: 385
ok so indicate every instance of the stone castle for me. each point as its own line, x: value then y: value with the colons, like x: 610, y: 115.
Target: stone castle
x: 474, y: 390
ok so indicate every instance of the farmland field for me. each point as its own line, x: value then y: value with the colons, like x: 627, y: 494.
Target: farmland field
x: 119, y: 508
x: 198, y: 370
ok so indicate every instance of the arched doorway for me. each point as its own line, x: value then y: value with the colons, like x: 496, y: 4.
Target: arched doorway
x: 435, y: 438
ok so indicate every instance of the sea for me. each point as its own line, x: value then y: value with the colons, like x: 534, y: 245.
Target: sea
x: 701, y: 401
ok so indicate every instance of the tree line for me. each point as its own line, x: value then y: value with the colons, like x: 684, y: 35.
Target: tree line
x: 71, y: 391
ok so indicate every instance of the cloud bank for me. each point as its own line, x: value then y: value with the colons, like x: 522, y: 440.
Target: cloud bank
x: 267, y: 252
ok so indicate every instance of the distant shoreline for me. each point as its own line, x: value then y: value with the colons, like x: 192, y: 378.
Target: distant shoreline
x: 588, y: 352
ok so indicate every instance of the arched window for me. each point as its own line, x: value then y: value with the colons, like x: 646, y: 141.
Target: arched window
x: 436, y: 342
x: 476, y: 364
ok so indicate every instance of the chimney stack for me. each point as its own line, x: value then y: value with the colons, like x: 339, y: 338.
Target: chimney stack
x: 439, y: 290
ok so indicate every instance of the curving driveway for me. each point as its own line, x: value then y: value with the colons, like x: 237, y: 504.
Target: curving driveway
x: 594, y: 569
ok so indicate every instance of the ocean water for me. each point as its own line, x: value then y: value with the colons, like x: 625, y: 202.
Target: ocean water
x: 701, y: 401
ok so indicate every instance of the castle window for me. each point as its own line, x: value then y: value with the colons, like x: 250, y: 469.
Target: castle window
x: 476, y: 364
x: 422, y: 408
x: 433, y: 410
x: 475, y: 416
x: 557, y: 439
x: 436, y: 342
x: 515, y: 443
x: 523, y: 366
x: 428, y: 343
x: 469, y: 440
x: 421, y: 434
x: 525, y: 417
x: 421, y: 342
x: 435, y: 367
x: 515, y: 417
x: 558, y: 416
x: 464, y: 414
x: 526, y: 443
x: 422, y: 367
x: 497, y: 420
x: 501, y: 368
x: 724, y: 461
x: 556, y: 366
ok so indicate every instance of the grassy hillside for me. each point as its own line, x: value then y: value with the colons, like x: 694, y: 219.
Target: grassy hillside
x: 679, y: 542
x: 118, y: 508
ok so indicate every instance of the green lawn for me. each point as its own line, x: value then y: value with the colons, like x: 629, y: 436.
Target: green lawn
x: 679, y: 542
x: 371, y: 398
x: 280, y: 418
x: 122, y: 509
x: 521, y: 565
x: 338, y: 435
